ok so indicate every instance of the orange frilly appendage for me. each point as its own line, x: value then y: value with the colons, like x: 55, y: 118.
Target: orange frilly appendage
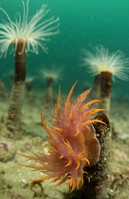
x: 73, y: 143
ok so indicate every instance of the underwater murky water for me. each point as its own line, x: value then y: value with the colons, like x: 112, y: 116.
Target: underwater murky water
x: 43, y: 49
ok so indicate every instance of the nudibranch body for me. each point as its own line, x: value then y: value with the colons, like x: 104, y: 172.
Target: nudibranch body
x: 73, y: 142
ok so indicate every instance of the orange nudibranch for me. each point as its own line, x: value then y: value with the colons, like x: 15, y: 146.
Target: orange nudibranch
x: 73, y: 142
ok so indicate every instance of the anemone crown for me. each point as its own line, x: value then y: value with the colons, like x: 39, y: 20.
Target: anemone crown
x: 55, y: 72
x: 29, y: 79
x: 32, y: 33
x: 103, y: 61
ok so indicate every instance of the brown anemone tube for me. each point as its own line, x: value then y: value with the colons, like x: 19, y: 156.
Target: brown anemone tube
x: 14, y: 112
x: 96, y: 90
x: 11, y: 77
x: 49, y: 92
x: 28, y: 86
x: 96, y: 179
x: 105, y: 93
x: 2, y: 91
x: 29, y: 93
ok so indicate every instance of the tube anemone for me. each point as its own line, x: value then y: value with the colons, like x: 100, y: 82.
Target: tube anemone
x: 26, y: 35
x: 33, y: 33
x: 2, y: 91
x: 107, y: 65
x: 96, y: 89
x: 29, y: 80
x: 49, y: 94
x: 11, y: 79
x: 30, y: 97
x: 89, y: 59
x: 51, y: 74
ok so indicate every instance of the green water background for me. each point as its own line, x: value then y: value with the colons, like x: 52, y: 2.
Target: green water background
x: 83, y: 24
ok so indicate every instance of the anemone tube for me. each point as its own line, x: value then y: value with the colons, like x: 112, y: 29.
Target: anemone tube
x: 2, y: 91
x: 97, y: 178
x: 30, y: 97
x: 17, y: 94
x: 28, y: 86
x: 49, y: 92
x: 105, y: 94
x: 96, y: 89
x: 91, y: 60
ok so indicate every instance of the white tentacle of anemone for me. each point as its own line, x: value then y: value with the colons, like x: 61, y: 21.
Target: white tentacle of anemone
x: 33, y: 33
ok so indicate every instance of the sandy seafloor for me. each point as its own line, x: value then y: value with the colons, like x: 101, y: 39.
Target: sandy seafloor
x: 16, y: 178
